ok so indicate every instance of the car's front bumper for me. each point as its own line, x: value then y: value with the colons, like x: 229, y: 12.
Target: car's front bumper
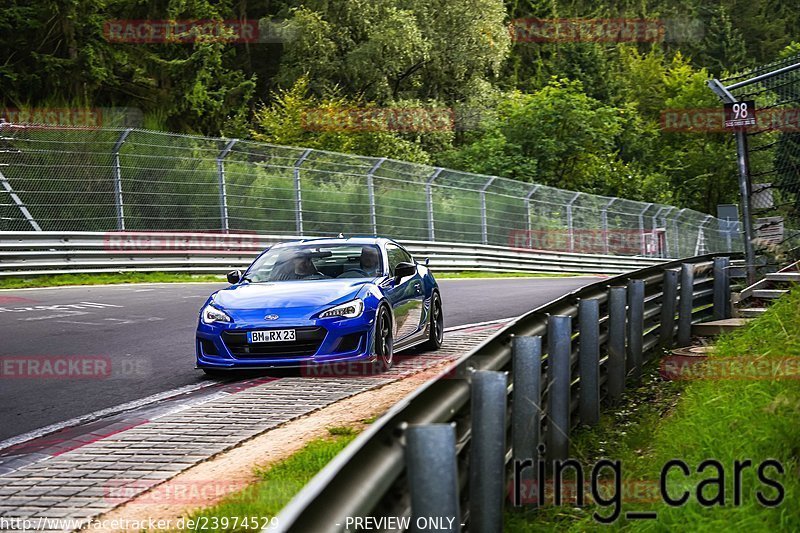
x: 224, y: 345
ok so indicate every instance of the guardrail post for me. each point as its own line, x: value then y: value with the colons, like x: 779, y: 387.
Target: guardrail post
x: 298, y: 193
x: 635, y: 327
x: 223, y: 194
x: 484, y: 221
x: 526, y: 410
x: 118, y: 200
x: 429, y: 200
x: 685, y: 305
x: 432, y: 467
x: 617, y: 306
x: 487, y: 451
x: 722, y: 288
x: 373, y: 217
x: 668, y: 300
x: 559, y: 348
x: 589, y: 361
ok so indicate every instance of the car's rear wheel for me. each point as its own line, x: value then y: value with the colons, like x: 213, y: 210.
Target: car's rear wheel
x: 384, y: 339
x: 436, y: 326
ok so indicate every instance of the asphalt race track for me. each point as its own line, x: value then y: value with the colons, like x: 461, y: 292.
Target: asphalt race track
x: 139, y: 339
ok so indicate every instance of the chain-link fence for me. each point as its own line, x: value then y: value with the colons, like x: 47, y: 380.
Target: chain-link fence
x: 773, y: 149
x: 81, y: 179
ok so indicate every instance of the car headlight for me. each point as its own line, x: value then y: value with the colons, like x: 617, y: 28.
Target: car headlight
x: 351, y: 309
x: 211, y: 314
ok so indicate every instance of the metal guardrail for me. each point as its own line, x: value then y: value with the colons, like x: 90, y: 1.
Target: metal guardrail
x: 448, y: 439
x: 26, y: 253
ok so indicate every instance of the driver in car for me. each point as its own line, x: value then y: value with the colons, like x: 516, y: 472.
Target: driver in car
x: 370, y: 260
x: 299, y: 266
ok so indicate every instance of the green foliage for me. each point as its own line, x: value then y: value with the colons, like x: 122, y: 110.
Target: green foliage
x: 724, y: 418
x: 583, y: 115
x: 297, y: 118
x: 276, y: 485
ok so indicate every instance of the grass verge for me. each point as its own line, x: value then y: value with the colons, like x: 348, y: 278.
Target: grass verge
x: 715, y: 418
x: 61, y: 280
x: 475, y: 275
x: 275, y: 487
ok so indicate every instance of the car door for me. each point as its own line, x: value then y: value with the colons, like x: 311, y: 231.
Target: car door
x: 406, y: 294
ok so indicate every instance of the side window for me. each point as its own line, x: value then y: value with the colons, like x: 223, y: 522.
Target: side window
x: 396, y: 255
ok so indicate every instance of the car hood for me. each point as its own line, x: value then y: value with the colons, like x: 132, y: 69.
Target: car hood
x: 288, y: 294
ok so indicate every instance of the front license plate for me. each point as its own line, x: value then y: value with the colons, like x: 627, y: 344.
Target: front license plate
x: 274, y: 335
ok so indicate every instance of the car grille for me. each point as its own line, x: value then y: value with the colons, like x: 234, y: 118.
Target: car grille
x: 308, y: 342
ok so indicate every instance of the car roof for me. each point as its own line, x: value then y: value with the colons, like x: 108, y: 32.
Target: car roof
x: 334, y: 240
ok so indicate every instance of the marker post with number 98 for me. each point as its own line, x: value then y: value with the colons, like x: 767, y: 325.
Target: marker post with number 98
x: 740, y: 114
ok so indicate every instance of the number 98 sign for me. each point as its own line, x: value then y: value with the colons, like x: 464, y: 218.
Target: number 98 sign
x: 740, y: 114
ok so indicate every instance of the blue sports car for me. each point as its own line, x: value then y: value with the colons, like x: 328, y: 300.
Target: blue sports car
x: 320, y: 301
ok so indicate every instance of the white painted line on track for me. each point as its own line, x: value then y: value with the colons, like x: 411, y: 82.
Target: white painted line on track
x: 117, y: 285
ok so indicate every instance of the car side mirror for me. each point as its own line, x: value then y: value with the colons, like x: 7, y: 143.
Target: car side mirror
x: 403, y: 270
x: 234, y: 276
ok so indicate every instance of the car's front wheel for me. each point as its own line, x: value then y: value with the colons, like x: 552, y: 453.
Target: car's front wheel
x: 436, y: 326
x: 384, y: 340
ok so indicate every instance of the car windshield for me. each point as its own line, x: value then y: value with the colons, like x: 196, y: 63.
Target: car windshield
x: 316, y: 261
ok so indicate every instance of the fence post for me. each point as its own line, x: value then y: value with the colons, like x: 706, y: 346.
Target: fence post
x: 373, y: 217
x: 429, y: 200
x: 685, y: 305
x: 667, y: 239
x: 677, y: 233
x: 526, y: 406
x: 655, y: 226
x: 559, y: 351
x: 432, y: 467
x: 669, y: 299
x: 617, y: 304
x: 484, y: 221
x: 223, y: 194
x: 722, y: 288
x: 487, y: 451
x: 589, y: 360
x: 641, y: 228
x: 635, y: 327
x: 570, y: 224
x: 604, y: 223
x: 118, y: 200
x: 298, y: 193
x: 528, y: 221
